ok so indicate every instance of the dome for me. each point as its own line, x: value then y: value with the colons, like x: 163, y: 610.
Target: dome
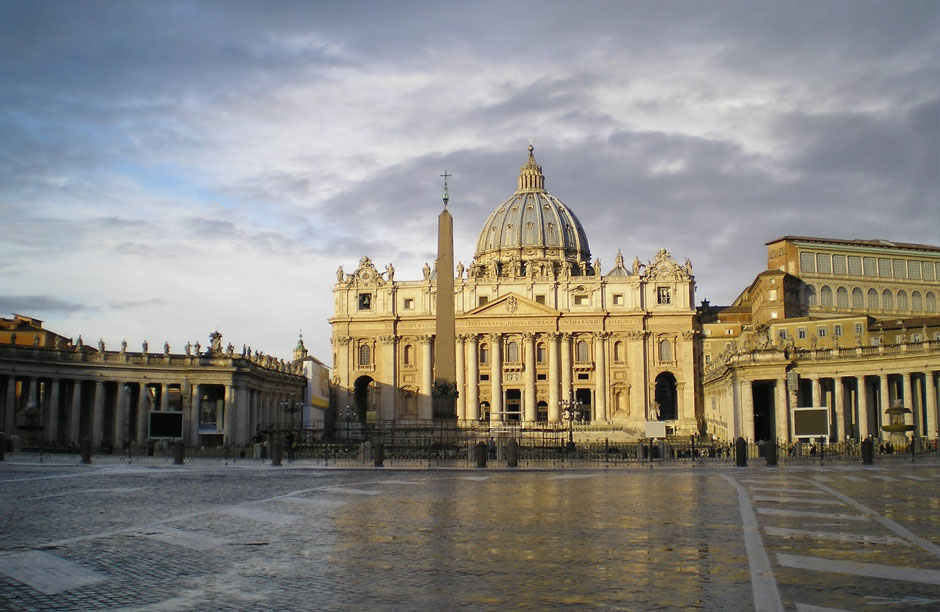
x: 532, y: 224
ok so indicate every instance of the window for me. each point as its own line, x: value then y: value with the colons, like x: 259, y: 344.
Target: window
x: 807, y: 262
x: 900, y: 268
x: 927, y: 270
x: 801, y: 333
x: 837, y: 330
x: 875, y: 341
x: 821, y: 332
x: 902, y: 300
x: 811, y: 295
x: 871, y: 267
x: 917, y: 338
x: 408, y: 304
x: 580, y: 300
x: 408, y: 354
x: 512, y: 352
x: 824, y: 263
x: 365, y: 355
x: 483, y: 299
x: 541, y: 377
x: 618, y: 299
x: 872, y: 299
x: 708, y: 357
x: 913, y: 269
x: 663, y: 295
x: 855, y: 265
x: 917, y: 303
x: 484, y: 354
x: 858, y: 298
x: 838, y: 264
x: 931, y: 302
x: 825, y: 296
x: 618, y: 352
x: 540, y: 353
x: 484, y: 376
x: 540, y: 299
x: 899, y: 339
x: 581, y: 351
x: 842, y: 297
x: 884, y: 267
x: 665, y: 350
x: 859, y: 329
x: 772, y: 295
x: 887, y: 300
x: 365, y: 301
x: 782, y: 334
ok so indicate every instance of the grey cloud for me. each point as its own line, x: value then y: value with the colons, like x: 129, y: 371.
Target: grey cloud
x: 38, y: 305
x: 133, y: 304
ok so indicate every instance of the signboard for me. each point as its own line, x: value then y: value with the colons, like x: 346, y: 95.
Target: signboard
x: 811, y: 422
x: 166, y: 425
x: 655, y: 429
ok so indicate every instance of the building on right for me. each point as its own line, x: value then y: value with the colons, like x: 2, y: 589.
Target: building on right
x: 847, y: 325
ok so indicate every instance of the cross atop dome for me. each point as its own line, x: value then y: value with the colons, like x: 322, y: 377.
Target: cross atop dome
x: 530, y: 177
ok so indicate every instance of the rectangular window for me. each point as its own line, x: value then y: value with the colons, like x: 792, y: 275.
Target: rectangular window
x: 884, y: 267
x: 663, y: 295
x: 837, y: 330
x: 927, y: 269
x: 855, y: 265
x: 481, y: 300
x: 782, y: 334
x: 807, y: 262
x: 540, y: 299
x: 917, y: 338
x: 824, y: 263
x: 875, y: 341
x: 708, y: 357
x: 801, y: 333
x: 859, y: 329
x: 838, y: 264
x: 584, y: 376
x: 899, y: 339
x: 484, y: 376
x: 900, y: 268
x: 821, y: 332
x: 365, y: 301
x: 541, y: 377
x: 618, y: 299
x: 409, y: 304
x: 580, y: 300
x: 871, y: 267
x: 913, y: 269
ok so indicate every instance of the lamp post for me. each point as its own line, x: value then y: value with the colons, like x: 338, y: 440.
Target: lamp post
x: 570, y: 408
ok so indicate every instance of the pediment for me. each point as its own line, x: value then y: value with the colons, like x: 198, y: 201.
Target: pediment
x: 512, y: 305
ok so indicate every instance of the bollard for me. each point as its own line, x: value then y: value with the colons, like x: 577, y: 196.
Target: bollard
x: 86, y: 450
x: 481, y: 454
x: 512, y: 453
x: 275, y: 454
x: 770, y: 451
x: 178, y: 453
x: 740, y: 452
x: 868, y: 451
x: 378, y: 455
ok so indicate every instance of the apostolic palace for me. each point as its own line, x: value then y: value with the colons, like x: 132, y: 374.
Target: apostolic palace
x: 542, y: 331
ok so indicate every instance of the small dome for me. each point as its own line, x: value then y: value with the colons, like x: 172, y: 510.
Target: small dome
x: 532, y: 224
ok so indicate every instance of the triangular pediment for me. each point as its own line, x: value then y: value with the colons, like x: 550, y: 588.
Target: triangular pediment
x: 512, y: 305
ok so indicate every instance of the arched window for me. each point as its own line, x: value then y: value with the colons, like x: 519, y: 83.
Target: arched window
x: 618, y: 352
x: 887, y: 300
x: 365, y: 355
x: 825, y: 296
x: 665, y: 350
x: 917, y: 302
x: 931, y: 302
x: 512, y: 352
x: 842, y: 297
x: 872, y: 299
x: 408, y: 354
x: 581, y: 352
x: 858, y: 298
x: 484, y: 354
x: 902, y: 300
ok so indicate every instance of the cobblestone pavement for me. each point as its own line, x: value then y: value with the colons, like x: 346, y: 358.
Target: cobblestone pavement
x: 206, y: 536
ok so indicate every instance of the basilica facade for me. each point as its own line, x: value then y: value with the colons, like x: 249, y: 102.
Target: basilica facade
x: 540, y: 328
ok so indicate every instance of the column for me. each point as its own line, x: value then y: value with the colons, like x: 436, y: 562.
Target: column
x: 528, y: 341
x: 862, y: 396
x: 194, y: 415
x: 51, y: 420
x: 143, y: 414
x: 736, y: 409
x: 930, y: 390
x: 97, y: 419
x: 496, y: 378
x: 473, y: 378
x: 9, y: 414
x: 554, y: 410
x: 427, y: 378
x: 32, y: 400
x: 120, y: 416
x: 600, y: 376
x: 461, y: 371
x: 75, y: 415
x: 781, y: 422
x: 814, y: 386
x: 837, y: 400
x: 164, y: 397
x: 909, y: 403
x: 566, y: 366
x: 747, y: 409
x: 885, y: 404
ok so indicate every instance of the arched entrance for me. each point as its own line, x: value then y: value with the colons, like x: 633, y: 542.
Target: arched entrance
x: 665, y: 397
x: 363, y: 392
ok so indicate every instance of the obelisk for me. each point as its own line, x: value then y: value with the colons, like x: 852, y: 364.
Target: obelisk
x: 445, y: 369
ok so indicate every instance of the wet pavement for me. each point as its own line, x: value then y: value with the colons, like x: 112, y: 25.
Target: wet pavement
x: 206, y: 536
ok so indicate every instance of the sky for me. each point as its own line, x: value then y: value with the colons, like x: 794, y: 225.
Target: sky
x: 172, y: 168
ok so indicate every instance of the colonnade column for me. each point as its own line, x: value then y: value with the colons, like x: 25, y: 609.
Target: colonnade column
x: 142, y: 414
x: 737, y: 410
x: 120, y: 414
x: 75, y: 415
x: 554, y: 410
x: 781, y: 412
x: 862, y: 396
x: 600, y: 376
x: 496, y: 379
x: 529, y: 363
x: 747, y: 409
x: 51, y: 419
x: 885, y: 403
x: 9, y: 407
x: 473, y: 378
x: 930, y: 390
x: 566, y: 366
x: 164, y: 397
x: 838, y: 408
x: 460, y: 355
x: 194, y: 415
x: 814, y: 387
x: 909, y: 402
x: 97, y: 420
x: 427, y: 377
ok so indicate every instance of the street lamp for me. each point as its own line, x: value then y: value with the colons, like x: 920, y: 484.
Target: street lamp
x: 570, y: 408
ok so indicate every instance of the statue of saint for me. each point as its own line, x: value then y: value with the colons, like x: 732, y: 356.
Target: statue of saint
x: 189, y: 349
x: 339, y: 274
x: 636, y: 266
x: 100, y: 345
x: 597, y: 267
x: 427, y: 271
x: 459, y: 269
x: 166, y: 348
x: 144, y: 346
x: 688, y: 266
x: 124, y: 346
x: 390, y: 271
x: 216, y: 339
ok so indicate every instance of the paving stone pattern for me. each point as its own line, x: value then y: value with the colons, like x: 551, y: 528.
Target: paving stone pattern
x: 205, y: 536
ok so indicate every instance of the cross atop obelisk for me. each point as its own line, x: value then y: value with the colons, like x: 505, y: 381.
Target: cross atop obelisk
x: 446, y: 197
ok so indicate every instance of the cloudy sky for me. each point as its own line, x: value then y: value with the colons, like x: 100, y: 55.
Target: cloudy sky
x: 171, y: 168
